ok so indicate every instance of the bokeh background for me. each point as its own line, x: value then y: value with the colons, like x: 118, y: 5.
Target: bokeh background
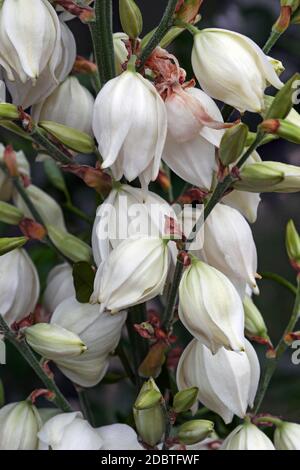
x: 112, y: 402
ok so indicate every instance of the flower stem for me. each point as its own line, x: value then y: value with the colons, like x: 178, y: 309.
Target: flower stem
x: 102, y: 36
x: 23, y: 348
x: 85, y: 405
x: 53, y: 151
x: 165, y: 23
x: 125, y: 362
x: 280, y: 280
x: 269, y: 419
x: 139, y: 348
x: 280, y: 350
x: 75, y: 210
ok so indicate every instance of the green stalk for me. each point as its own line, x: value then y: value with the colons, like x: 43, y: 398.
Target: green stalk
x: 163, y: 27
x: 102, y: 36
x: 280, y: 350
x: 53, y: 151
x: 23, y: 348
x: 281, y: 281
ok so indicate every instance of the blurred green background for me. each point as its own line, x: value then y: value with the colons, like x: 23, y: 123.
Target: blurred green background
x: 112, y: 402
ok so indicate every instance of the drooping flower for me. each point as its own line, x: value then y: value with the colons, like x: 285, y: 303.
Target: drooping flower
x: 126, y: 212
x: 25, y: 94
x: 135, y: 271
x: 239, y: 72
x: 287, y: 436
x: 19, y: 423
x: 29, y: 38
x: 19, y: 286
x: 100, y: 333
x: 143, y: 120
x: 247, y: 437
x: 59, y: 287
x: 210, y: 307
x: 77, y: 114
x: 227, y: 381
x: 69, y: 431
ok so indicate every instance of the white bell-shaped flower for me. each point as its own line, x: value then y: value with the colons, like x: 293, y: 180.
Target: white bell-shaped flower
x: 19, y: 424
x: 127, y: 212
x: 78, y: 112
x: 191, y: 143
x: 59, y: 287
x: 211, y: 308
x: 247, y: 437
x: 29, y: 38
x: 69, y: 431
x: 128, y: 110
x: 227, y: 380
x: 19, y: 286
x: 100, y: 333
x: 239, y: 72
x: 48, y: 209
x: 6, y: 185
x: 135, y: 271
x: 229, y: 246
x: 26, y: 94
x: 287, y: 436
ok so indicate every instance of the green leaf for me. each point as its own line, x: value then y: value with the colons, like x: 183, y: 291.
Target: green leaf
x: 83, y: 277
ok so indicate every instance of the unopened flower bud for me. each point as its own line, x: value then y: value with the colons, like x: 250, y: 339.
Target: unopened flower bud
x: 70, y: 246
x: 254, y: 322
x: 150, y: 422
x: 282, y: 128
x: 187, y: 10
x: 53, y: 341
x: 10, y: 214
x: 195, y: 431
x: 287, y: 436
x: 283, y: 101
x: 269, y: 176
x: 233, y: 143
x: 19, y: 424
x: 293, y: 244
x: 131, y: 18
x: 8, y: 111
x: 70, y: 137
x: 185, y: 399
x: 11, y: 243
x: 147, y: 399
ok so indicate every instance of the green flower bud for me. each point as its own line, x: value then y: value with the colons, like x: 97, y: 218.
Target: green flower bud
x: 282, y: 128
x: 185, y: 399
x: 53, y: 341
x: 69, y: 245
x: 8, y: 111
x: 11, y: 243
x: 269, y: 177
x: 131, y: 18
x: 254, y: 322
x: 147, y: 399
x: 292, y: 242
x: 71, y: 138
x: 233, y: 143
x: 150, y: 421
x: 283, y: 101
x: 10, y: 214
x: 195, y: 431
